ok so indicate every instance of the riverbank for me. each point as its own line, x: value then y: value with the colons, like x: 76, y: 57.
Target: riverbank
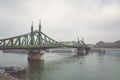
x: 5, y: 76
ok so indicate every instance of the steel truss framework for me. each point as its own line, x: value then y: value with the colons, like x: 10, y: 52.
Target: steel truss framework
x: 37, y: 40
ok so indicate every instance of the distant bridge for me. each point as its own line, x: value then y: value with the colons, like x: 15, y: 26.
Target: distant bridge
x: 35, y: 41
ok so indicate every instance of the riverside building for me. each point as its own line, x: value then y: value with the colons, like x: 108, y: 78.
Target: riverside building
x: 102, y: 44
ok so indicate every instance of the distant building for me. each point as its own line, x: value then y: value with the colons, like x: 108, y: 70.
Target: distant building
x: 102, y: 44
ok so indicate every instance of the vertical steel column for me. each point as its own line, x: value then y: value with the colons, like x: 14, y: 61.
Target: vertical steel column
x: 32, y: 36
x: 39, y: 33
x: 19, y: 39
x: 12, y: 42
x: 3, y: 42
x: 78, y: 40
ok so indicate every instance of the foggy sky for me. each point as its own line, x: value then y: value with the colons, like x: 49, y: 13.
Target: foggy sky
x: 62, y: 20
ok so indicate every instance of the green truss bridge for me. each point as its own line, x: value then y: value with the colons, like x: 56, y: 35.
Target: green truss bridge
x: 35, y: 41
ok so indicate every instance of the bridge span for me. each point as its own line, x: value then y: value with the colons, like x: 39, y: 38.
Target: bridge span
x: 35, y: 41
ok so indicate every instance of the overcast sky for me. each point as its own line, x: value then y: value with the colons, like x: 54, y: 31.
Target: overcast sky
x: 62, y: 20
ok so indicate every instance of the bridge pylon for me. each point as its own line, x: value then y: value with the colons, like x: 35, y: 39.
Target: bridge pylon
x: 81, y: 51
x: 35, y: 55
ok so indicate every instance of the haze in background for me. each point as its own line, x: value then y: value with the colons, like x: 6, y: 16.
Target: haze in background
x: 62, y: 20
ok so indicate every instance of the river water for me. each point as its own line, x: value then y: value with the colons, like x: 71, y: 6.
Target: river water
x: 59, y: 66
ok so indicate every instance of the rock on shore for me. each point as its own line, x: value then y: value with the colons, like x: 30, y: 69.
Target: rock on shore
x: 5, y: 76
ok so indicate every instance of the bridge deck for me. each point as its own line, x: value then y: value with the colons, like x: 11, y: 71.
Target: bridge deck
x: 37, y: 40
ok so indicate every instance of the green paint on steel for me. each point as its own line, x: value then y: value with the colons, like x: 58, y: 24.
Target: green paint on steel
x: 39, y: 33
x: 37, y: 39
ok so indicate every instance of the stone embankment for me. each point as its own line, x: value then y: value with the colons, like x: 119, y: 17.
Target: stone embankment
x: 5, y: 76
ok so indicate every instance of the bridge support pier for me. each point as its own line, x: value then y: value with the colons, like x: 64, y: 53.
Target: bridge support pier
x: 87, y: 50
x: 81, y: 51
x: 35, y: 55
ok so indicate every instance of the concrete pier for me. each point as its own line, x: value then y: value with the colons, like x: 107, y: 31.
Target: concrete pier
x: 81, y: 51
x: 35, y: 55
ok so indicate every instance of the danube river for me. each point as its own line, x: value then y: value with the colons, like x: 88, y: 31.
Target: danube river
x: 94, y: 66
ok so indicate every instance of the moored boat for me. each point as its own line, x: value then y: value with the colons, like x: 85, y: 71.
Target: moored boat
x: 13, y: 70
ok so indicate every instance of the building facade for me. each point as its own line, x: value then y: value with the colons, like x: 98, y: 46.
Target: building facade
x: 102, y: 44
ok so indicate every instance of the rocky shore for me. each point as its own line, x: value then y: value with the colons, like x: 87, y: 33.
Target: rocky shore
x: 6, y: 76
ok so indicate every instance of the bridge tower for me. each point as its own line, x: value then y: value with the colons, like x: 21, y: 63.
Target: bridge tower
x: 39, y: 34
x: 81, y: 51
x: 35, y: 54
